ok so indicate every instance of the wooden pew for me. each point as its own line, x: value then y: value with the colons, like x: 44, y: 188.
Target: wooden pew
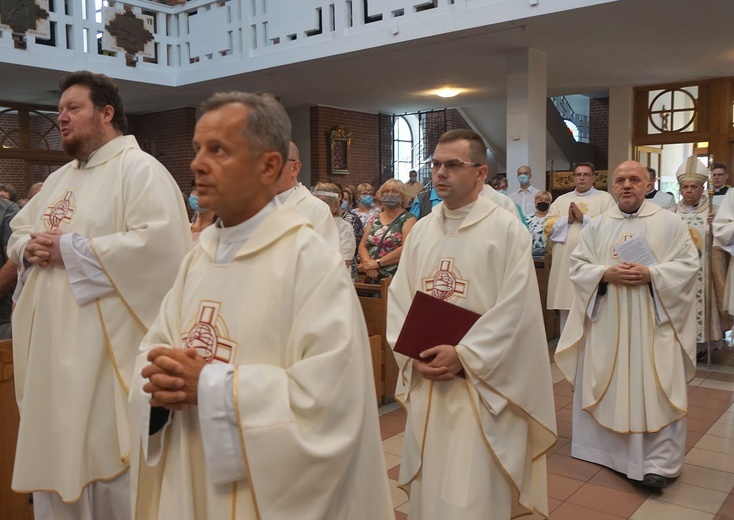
x: 12, y: 505
x: 373, y: 299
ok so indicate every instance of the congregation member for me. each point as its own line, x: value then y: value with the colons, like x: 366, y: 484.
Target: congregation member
x: 293, y: 193
x: 424, y: 203
x: 480, y: 416
x: 412, y: 188
x: 366, y: 207
x: 697, y: 212
x: 98, y: 248
x: 8, y: 269
x: 254, y: 387
x: 567, y: 216
x: 663, y: 199
x: 525, y: 195
x: 720, y: 177
x: 7, y: 192
x: 351, y: 218
x: 499, y: 183
x: 203, y: 217
x: 502, y: 200
x: 384, y: 237
x: 330, y: 194
x: 536, y: 223
x: 628, y: 347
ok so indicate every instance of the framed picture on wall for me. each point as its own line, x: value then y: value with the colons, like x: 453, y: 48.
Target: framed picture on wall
x: 339, y: 142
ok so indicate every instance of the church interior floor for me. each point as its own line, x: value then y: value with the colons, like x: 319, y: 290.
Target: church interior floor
x: 578, y: 490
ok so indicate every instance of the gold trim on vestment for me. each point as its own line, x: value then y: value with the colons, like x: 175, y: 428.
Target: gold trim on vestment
x: 104, y: 479
x: 513, y: 403
x: 117, y: 291
x: 516, y: 489
x: 110, y: 350
x: 235, y: 391
x: 513, y: 485
x: 590, y: 408
x: 234, y: 500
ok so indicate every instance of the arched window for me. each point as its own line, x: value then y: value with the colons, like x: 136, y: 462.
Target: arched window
x: 402, y: 148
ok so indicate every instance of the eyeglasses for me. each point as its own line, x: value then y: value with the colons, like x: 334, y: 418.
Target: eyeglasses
x: 451, y: 164
x: 583, y: 174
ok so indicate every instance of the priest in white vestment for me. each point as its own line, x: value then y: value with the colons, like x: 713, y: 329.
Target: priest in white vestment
x: 254, y: 389
x: 98, y: 249
x: 629, y: 343
x: 293, y: 193
x: 567, y: 216
x: 697, y: 213
x: 480, y: 415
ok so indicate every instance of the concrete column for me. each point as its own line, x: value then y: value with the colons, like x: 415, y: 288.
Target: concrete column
x: 526, y: 105
x: 620, y: 126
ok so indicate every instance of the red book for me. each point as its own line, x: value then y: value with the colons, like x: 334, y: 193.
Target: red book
x: 430, y: 322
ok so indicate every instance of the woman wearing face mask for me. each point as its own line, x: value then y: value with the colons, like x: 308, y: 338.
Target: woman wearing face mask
x: 384, y: 236
x: 202, y: 217
x: 366, y: 209
x: 536, y: 223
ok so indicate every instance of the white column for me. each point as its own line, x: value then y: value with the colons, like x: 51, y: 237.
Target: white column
x: 526, y: 106
x: 620, y: 126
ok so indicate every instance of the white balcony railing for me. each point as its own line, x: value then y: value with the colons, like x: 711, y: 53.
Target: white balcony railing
x: 206, y: 39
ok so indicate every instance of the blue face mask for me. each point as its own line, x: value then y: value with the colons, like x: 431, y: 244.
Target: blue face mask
x: 344, y: 205
x: 503, y: 192
x: 523, y: 179
x: 194, y: 203
x: 367, y: 200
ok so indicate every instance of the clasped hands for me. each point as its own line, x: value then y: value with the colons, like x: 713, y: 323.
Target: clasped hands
x: 173, y: 377
x: 627, y: 274
x: 575, y: 214
x: 443, y: 367
x: 43, y: 249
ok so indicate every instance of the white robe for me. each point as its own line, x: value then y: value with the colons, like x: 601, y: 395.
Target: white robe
x: 73, y: 362
x: 284, y: 312
x: 475, y: 448
x: 629, y: 355
x: 563, y: 239
x: 315, y: 210
x: 502, y: 201
x: 723, y: 230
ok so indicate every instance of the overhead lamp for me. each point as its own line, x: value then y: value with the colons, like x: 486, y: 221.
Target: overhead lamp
x: 447, y: 92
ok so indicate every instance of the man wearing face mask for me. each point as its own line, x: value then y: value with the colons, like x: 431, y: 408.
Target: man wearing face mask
x: 525, y: 196
x: 413, y: 188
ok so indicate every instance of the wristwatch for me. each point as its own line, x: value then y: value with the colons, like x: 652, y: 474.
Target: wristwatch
x: 379, y: 265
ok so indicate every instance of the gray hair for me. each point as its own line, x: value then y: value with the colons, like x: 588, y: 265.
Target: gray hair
x: 267, y: 126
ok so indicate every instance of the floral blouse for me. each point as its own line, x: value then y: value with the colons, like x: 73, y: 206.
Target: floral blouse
x: 393, y: 238
x: 536, y: 227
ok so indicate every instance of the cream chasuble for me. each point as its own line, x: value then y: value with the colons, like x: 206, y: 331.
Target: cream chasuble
x: 73, y: 362
x: 695, y: 219
x: 639, y: 352
x: 723, y: 229
x: 591, y: 204
x: 315, y: 210
x: 284, y: 312
x: 475, y: 448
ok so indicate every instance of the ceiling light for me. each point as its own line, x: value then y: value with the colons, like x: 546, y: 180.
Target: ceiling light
x: 447, y: 92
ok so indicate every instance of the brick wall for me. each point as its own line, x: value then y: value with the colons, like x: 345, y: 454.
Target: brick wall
x: 599, y: 131
x: 364, y: 159
x: 167, y: 136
